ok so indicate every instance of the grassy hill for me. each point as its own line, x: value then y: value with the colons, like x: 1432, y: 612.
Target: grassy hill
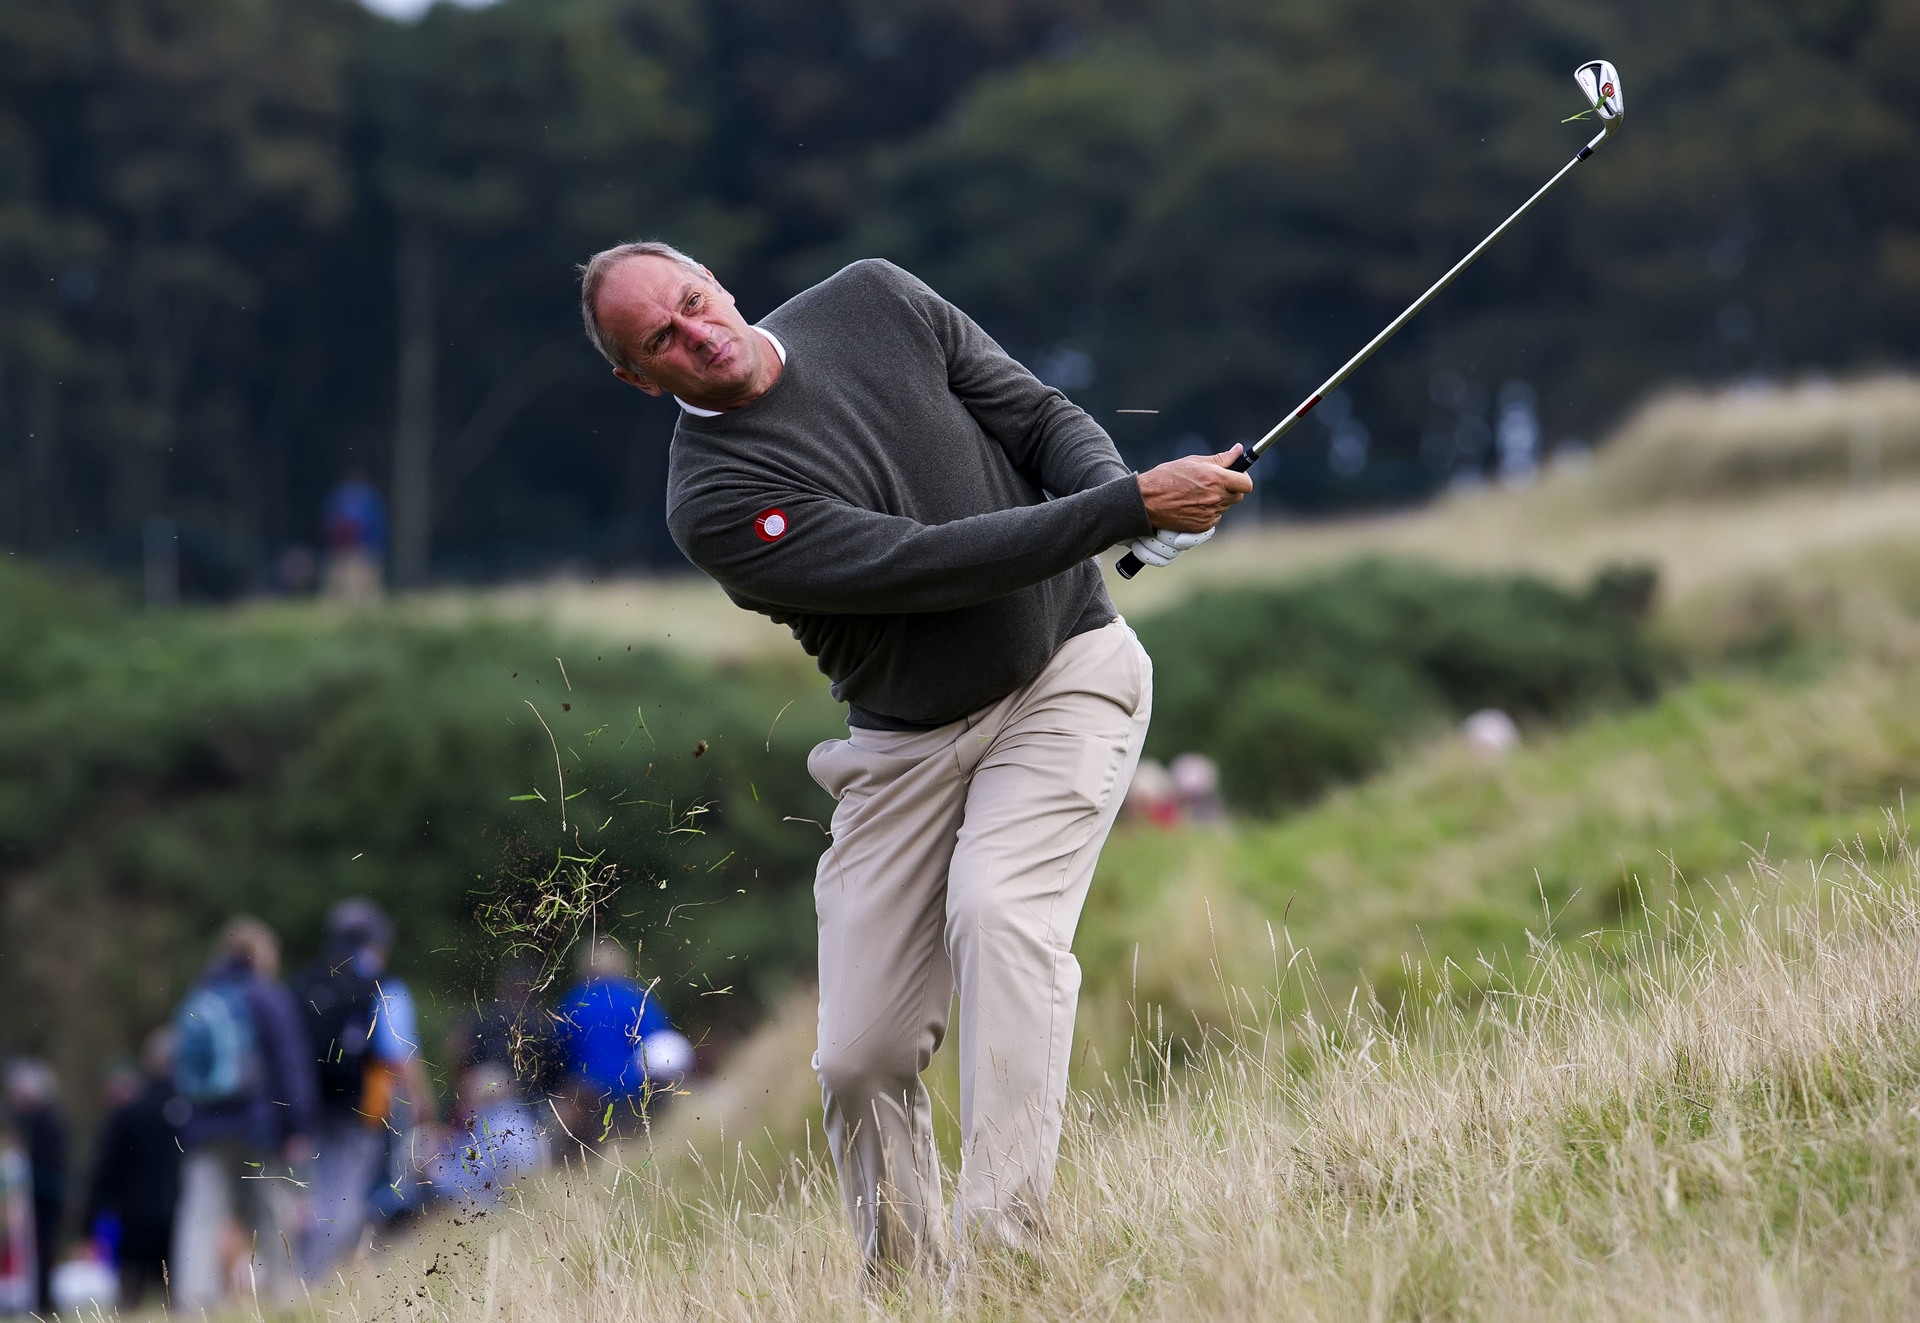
x: 1713, y: 1120
x: 1620, y: 1024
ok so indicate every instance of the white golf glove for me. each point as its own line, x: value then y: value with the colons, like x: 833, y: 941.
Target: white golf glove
x: 1160, y: 547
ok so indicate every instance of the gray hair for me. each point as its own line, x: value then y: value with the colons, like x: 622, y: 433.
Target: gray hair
x: 31, y: 1082
x: 593, y: 274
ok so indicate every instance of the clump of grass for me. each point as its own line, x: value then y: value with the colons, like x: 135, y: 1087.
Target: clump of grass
x: 540, y: 917
x: 1713, y: 1117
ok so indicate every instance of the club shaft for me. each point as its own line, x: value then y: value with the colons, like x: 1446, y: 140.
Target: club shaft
x: 1332, y: 383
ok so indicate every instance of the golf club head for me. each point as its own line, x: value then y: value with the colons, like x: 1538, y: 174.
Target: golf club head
x: 1601, y: 83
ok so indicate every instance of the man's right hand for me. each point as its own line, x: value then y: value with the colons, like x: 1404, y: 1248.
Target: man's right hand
x: 1190, y: 495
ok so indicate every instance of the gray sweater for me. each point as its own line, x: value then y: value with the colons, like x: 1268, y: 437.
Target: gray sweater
x: 888, y: 499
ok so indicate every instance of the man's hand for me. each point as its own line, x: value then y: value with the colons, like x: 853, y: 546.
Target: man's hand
x: 1159, y: 548
x: 1190, y: 495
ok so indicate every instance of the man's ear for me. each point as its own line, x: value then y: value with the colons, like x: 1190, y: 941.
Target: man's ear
x: 638, y: 381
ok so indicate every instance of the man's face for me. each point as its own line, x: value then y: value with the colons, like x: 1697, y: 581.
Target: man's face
x: 682, y: 332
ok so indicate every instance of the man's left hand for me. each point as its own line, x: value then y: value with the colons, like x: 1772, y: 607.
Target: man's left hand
x: 1160, y: 547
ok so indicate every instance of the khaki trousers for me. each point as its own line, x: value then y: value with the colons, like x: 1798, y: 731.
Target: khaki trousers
x: 233, y: 1228
x: 960, y: 861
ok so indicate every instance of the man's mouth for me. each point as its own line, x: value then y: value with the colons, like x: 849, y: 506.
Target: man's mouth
x: 721, y: 355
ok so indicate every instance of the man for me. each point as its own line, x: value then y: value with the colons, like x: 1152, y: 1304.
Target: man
x: 136, y: 1173
x: 243, y: 1066
x: 618, y: 1046
x: 361, y: 1023
x: 869, y: 468
x: 355, y: 520
x: 33, y: 1098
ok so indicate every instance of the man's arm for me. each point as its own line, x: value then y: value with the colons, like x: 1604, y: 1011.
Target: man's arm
x: 293, y: 1060
x: 1046, y: 435
x: 836, y: 558
x: 394, y: 1041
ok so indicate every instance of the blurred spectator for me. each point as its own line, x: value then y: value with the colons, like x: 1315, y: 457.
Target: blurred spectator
x: 32, y: 1099
x: 1151, y: 796
x: 1490, y: 733
x: 512, y: 1031
x: 373, y: 1080
x: 136, y: 1175
x: 617, y: 1045
x: 17, y: 1277
x: 497, y: 1138
x: 1196, y: 787
x: 84, y: 1286
x: 243, y: 1065
x: 295, y: 569
x: 1518, y: 435
x: 355, y: 519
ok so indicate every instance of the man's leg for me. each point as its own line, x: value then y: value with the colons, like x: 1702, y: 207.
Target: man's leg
x: 1039, y: 807
x: 270, y: 1218
x: 350, y: 1160
x: 144, y: 1246
x: 885, y: 984
x: 196, y: 1273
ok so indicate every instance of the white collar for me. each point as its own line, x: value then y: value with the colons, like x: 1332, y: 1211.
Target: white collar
x: 778, y: 348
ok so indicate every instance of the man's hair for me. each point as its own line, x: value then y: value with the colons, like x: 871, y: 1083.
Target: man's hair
x: 593, y: 274
x: 356, y: 923
x: 253, y: 942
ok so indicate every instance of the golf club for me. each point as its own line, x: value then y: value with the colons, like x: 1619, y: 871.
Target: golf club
x: 1601, y: 86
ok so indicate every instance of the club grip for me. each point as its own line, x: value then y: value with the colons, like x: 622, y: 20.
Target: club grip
x: 1130, y: 564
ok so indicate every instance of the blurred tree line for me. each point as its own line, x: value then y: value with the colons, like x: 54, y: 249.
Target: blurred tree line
x: 247, y: 245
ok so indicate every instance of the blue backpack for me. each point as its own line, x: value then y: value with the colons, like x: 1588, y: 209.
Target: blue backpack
x: 214, y: 1055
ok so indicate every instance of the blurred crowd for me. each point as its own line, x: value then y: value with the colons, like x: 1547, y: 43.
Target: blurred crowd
x: 1184, y: 790
x: 274, y: 1126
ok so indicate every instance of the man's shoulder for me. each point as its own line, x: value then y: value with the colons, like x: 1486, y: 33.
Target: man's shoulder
x: 869, y: 282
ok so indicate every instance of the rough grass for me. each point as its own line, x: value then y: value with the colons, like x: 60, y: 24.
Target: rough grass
x: 1668, y: 1074
x: 1712, y: 1117
x: 1803, y: 723
x: 1694, y: 445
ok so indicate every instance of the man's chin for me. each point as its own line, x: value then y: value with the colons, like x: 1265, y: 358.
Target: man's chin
x: 725, y: 390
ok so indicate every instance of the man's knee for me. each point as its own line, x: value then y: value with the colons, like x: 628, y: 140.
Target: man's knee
x: 855, y: 1074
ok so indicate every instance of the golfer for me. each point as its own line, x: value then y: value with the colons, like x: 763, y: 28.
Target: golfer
x: 867, y: 467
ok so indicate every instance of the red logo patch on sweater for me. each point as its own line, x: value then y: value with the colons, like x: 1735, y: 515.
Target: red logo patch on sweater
x: 771, y: 525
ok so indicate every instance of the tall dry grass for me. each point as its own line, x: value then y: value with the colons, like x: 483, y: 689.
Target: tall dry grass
x: 1716, y: 1118
x: 1692, y: 445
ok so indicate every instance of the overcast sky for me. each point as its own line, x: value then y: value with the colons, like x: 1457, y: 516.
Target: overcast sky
x: 412, y: 9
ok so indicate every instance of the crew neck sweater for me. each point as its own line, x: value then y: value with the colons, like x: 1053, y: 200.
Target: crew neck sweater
x: 912, y: 503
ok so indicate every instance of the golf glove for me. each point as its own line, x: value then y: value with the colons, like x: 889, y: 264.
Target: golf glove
x: 1160, y: 547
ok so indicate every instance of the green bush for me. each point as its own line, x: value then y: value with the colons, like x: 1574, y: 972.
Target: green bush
x: 159, y: 773
x: 1295, y: 688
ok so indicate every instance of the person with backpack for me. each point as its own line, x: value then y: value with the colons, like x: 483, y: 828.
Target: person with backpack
x: 373, y: 1080
x: 245, y: 1072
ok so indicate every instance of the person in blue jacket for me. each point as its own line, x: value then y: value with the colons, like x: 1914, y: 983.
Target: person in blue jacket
x: 617, y: 1045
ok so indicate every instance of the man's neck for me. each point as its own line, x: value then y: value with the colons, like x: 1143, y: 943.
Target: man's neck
x: 772, y: 365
